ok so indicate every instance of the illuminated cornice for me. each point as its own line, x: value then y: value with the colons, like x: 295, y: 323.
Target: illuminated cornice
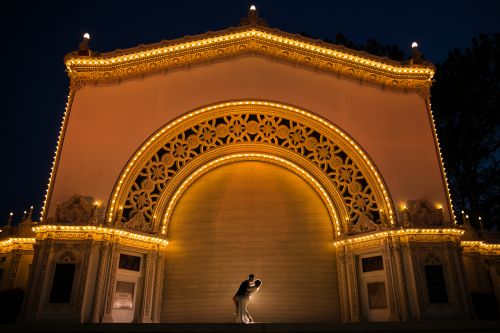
x: 16, y: 243
x: 64, y: 232
x: 481, y: 247
x: 399, y: 232
x: 167, y: 55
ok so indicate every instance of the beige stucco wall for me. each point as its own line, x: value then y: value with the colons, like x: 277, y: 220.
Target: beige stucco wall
x: 108, y: 123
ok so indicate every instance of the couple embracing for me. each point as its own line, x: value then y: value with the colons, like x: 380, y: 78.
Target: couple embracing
x: 242, y: 297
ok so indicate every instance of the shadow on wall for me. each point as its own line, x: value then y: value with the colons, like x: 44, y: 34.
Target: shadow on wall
x: 485, y: 306
x: 11, y: 301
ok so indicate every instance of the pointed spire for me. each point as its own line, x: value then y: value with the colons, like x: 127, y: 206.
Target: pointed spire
x: 7, y: 229
x: 253, y: 18
x: 30, y: 214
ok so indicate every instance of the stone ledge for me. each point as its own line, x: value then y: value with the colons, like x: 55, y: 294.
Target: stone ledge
x: 393, y: 327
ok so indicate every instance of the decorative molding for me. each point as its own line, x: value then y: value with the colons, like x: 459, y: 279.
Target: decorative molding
x: 112, y: 235
x: 417, y: 235
x: 426, y: 95
x: 15, y: 244
x: 420, y: 213
x: 68, y: 255
x: 364, y: 224
x: 209, y: 161
x: 270, y: 126
x: 138, y: 223
x: 481, y: 247
x: 78, y: 210
x: 167, y: 55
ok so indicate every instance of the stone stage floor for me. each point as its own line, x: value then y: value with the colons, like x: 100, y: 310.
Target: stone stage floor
x: 393, y: 327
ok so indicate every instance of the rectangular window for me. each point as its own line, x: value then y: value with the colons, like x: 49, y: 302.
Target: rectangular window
x: 62, y: 284
x: 436, y: 284
x: 372, y: 264
x: 124, y: 295
x: 376, y: 295
x: 132, y: 263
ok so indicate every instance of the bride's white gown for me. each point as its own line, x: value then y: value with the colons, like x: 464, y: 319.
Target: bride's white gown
x: 243, y: 316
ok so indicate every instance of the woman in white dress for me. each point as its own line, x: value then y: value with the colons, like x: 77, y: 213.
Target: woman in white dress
x: 243, y: 314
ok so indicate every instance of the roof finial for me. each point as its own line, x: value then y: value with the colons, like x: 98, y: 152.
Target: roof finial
x: 253, y: 18
x: 30, y: 213
x: 416, y: 55
x: 83, y: 48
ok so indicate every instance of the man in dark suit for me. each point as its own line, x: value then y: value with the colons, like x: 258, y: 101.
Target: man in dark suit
x: 242, y: 290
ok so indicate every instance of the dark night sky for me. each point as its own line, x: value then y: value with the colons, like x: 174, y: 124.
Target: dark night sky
x: 36, y: 36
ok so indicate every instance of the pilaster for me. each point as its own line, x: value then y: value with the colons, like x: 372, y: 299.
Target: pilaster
x: 107, y: 316
x: 102, y: 272
x: 158, y: 287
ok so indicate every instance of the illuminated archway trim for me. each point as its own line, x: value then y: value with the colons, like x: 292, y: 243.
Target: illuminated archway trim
x: 350, y: 147
x: 168, y: 201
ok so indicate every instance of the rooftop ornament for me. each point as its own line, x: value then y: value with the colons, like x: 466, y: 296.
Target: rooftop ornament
x: 416, y: 55
x: 83, y: 48
x: 253, y: 18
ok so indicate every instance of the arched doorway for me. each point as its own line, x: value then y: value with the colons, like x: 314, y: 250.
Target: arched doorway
x: 250, y: 217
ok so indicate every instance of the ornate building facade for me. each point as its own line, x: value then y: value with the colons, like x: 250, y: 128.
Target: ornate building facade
x: 185, y: 165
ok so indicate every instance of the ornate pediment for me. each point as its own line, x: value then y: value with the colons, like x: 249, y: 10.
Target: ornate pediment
x: 78, y: 210
x: 421, y: 213
x: 253, y: 37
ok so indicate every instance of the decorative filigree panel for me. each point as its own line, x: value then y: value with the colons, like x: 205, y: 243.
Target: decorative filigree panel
x: 176, y: 150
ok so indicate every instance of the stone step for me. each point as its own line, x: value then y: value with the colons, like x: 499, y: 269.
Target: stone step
x: 393, y: 327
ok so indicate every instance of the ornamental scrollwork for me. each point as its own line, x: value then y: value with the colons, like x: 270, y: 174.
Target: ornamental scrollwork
x: 245, y: 127
x: 420, y: 213
x: 364, y: 225
x: 78, y: 210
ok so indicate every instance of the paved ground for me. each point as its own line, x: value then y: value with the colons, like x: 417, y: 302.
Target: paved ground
x: 426, y: 327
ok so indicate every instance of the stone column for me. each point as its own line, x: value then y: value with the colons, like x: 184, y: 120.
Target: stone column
x: 87, y: 247
x: 343, y: 289
x: 158, y: 287
x: 14, y: 267
x: 43, y: 285
x: 102, y: 272
x: 391, y: 280
x: 418, y: 287
x: 463, y: 294
x: 109, y: 293
x: 401, y: 279
x: 148, y: 287
x: 352, y: 286
x: 33, y: 281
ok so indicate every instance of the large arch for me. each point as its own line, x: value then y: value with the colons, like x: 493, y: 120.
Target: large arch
x: 250, y: 215
x: 349, y: 176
